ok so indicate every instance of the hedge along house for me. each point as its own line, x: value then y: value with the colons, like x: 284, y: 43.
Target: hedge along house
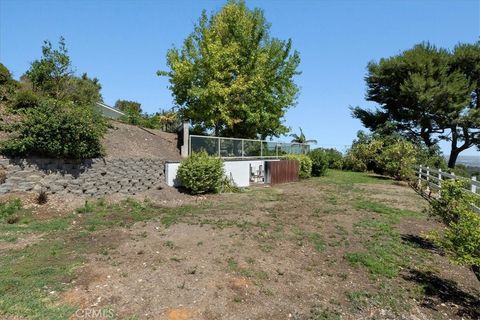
x: 246, y: 161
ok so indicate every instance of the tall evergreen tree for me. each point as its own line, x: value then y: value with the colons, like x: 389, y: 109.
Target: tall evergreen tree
x: 427, y: 94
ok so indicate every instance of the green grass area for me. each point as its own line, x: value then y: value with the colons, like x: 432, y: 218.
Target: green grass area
x: 31, y: 278
x: 14, y: 219
x: 350, y: 177
x: 392, y: 214
x: 385, y: 253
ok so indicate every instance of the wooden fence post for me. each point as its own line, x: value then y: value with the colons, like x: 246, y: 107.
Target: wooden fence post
x: 474, y: 187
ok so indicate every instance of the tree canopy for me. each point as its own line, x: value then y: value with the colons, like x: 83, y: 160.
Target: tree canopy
x: 427, y: 94
x: 56, y: 115
x: 52, y: 76
x: 233, y: 78
x: 128, y: 106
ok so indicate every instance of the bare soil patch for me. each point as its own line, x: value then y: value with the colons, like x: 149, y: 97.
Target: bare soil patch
x: 128, y: 141
x: 253, y: 256
x: 317, y: 249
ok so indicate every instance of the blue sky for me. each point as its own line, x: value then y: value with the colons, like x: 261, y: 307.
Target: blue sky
x: 123, y: 43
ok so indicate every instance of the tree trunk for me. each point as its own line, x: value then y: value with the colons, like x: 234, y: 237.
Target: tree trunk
x: 454, y: 150
x: 452, y: 160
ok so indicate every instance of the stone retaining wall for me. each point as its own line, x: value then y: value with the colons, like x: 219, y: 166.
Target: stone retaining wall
x: 94, y: 177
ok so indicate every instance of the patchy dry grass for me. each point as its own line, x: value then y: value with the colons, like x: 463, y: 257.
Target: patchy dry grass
x: 344, y: 246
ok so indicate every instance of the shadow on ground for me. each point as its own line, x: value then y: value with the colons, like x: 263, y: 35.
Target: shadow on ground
x: 438, y: 291
x: 418, y: 241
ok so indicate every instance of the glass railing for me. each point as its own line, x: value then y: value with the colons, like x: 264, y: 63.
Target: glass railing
x: 244, y: 148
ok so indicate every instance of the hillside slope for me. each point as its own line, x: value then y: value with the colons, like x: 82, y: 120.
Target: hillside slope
x: 128, y: 141
x: 122, y: 140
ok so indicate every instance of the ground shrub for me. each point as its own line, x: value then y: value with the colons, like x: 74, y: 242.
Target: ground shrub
x: 5, y: 74
x: 319, y: 162
x: 389, y: 155
x: 430, y: 157
x: 228, y: 186
x: 41, y: 198
x: 25, y: 99
x: 58, y: 131
x: 334, y: 158
x: 7, y: 84
x: 131, y: 116
x: 362, y: 156
x: 397, y: 159
x: 9, y: 209
x: 201, y: 173
x: 461, y: 237
x: 305, y: 164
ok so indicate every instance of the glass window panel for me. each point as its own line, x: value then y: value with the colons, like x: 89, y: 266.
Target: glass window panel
x: 208, y: 144
x: 252, y: 148
x: 230, y: 148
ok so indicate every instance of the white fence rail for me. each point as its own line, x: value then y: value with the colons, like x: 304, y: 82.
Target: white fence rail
x: 433, y: 178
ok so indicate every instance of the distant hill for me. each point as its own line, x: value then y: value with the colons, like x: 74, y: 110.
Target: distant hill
x: 471, y: 161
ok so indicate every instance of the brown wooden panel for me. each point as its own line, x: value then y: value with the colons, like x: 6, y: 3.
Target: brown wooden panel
x: 282, y: 171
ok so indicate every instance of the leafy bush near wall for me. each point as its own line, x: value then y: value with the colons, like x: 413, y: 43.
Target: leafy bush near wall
x: 305, y: 164
x: 319, y: 162
x: 461, y: 237
x: 58, y: 130
x: 201, y: 173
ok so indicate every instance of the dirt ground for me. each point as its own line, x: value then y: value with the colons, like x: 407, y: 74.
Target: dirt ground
x: 127, y: 141
x: 275, y: 253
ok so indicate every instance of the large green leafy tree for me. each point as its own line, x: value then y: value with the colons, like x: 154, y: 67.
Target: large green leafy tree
x: 427, y: 94
x: 233, y: 78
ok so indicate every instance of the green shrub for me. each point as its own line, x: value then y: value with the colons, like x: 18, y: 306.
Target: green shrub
x: 305, y: 164
x: 228, y: 186
x: 131, y: 116
x: 9, y: 208
x: 398, y: 159
x: 8, y: 86
x: 201, y: 173
x: 431, y: 157
x: 319, y: 162
x: 334, y: 158
x: 390, y: 155
x: 58, y: 131
x: 461, y: 237
x: 25, y: 99
x: 5, y: 74
x: 362, y: 156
